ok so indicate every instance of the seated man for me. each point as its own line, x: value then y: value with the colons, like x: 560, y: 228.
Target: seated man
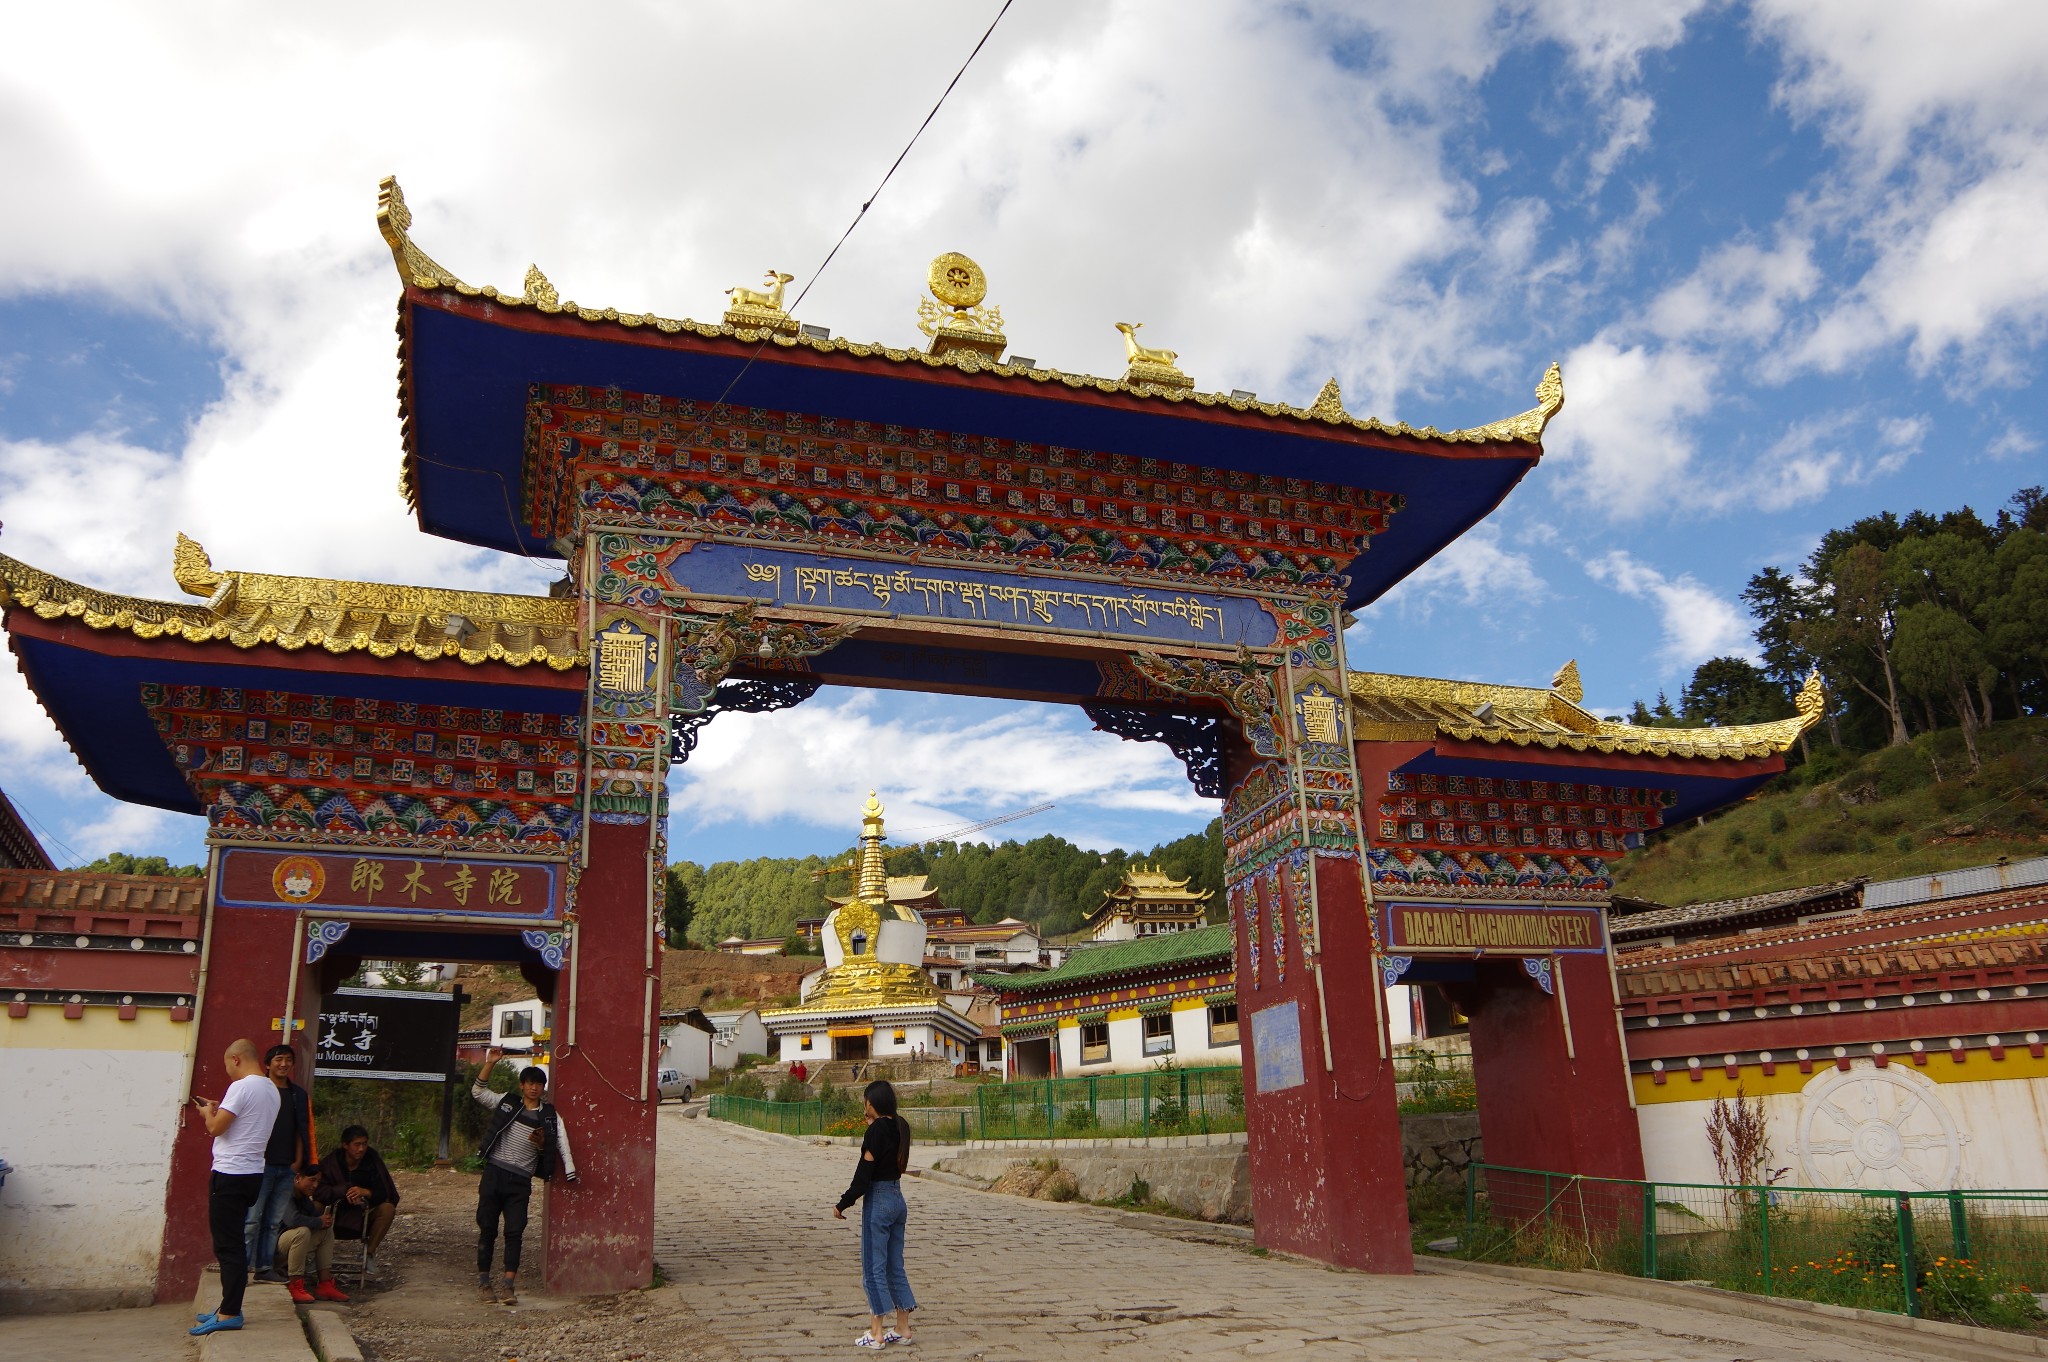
x: 309, y: 1234
x: 355, y: 1182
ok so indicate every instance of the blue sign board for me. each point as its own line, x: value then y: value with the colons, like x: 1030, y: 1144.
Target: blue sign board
x: 810, y: 581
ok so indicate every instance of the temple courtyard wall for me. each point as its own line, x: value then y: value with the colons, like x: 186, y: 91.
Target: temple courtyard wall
x: 1983, y: 1134
x: 1207, y: 1175
x: 93, y: 1104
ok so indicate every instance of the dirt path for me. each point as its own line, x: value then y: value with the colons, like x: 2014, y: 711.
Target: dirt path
x: 422, y: 1305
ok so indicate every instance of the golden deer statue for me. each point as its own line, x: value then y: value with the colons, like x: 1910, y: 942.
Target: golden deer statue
x: 1144, y: 354
x: 766, y: 300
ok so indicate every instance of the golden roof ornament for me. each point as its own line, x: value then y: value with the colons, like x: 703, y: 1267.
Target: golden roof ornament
x: 539, y: 291
x: 1148, y: 366
x: 954, y: 316
x: 1329, y: 403
x: 761, y: 309
x: 1566, y: 683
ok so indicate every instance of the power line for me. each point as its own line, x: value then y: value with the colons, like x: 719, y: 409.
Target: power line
x: 876, y: 193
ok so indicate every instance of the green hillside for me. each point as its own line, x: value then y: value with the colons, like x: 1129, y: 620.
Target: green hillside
x: 1898, y: 811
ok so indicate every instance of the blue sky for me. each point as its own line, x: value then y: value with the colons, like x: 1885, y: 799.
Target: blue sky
x: 1789, y: 255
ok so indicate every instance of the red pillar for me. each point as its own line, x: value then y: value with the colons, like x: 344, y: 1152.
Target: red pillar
x: 249, y: 964
x: 1326, y: 1163
x: 1542, y: 1104
x: 600, y: 1231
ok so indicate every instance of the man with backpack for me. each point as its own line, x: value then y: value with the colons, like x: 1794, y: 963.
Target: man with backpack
x: 526, y: 1140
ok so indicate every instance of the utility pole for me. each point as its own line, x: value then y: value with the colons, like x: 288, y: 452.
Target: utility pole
x: 441, y: 1159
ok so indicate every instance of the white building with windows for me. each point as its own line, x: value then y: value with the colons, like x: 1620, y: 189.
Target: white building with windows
x: 1124, y: 1005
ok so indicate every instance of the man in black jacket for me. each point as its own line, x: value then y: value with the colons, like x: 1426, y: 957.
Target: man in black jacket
x: 287, y: 1157
x: 526, y: 1140
x: 356, y: 1183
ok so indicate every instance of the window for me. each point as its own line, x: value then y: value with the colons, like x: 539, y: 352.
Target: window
x: 943, y: 979
x: 806, y: 1043
x: 1159, y: 1033
x: 516, y: 1024
x: 1222, y: 1024
x: 896, y: 1036
x: 1094, y: 1042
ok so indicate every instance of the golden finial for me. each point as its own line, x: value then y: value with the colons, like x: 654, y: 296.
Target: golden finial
x: 957, y: 321
x: 193, y: 570
x: 1329, y: 402
x: 1566, y: 682
x: 539, y: 291
x: 761, y: 309
x: 1150, y: 367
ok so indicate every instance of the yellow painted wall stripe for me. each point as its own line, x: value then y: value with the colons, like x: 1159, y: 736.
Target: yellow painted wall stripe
x: 47, y: 1028
x: 1122, y: 1013
x: 1715, y: 1082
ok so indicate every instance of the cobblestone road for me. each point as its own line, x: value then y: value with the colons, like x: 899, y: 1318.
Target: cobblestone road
x: 744, y: 1229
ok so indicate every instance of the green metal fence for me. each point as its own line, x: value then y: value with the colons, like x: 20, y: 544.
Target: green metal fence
x: 812, y: 1118
x: 1114, y: 1105
x: 1094, y: 1107
x: 1969, y: 1257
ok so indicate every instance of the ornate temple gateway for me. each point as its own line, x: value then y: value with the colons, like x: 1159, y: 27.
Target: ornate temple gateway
x: 750, y: 509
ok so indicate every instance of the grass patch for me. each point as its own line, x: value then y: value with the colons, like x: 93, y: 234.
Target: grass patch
x: 1902, y: 811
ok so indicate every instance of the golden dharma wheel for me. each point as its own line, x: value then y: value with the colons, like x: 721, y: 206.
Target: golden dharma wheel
x: 957, y: 281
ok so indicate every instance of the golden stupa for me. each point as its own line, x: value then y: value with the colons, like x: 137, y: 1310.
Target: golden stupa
x: 874, y: 949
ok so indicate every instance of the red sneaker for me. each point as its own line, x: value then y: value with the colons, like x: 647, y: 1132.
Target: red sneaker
x: 328, y: 1291
x: 300, y: 1295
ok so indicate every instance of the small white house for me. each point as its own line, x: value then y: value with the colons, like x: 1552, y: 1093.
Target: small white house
x: 514, y: 1026
x: 739, y: 1033
x: 686, y: 1046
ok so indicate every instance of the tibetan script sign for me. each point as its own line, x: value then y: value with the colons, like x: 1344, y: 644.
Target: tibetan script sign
x: 386, y: 1033
x: 1438, y: 928
x: 372, y: 882
x: 970, y: 596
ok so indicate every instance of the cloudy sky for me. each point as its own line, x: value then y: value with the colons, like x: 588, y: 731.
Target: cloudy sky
x: 1790, y: 255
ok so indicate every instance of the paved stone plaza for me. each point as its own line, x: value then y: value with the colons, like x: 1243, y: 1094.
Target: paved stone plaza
x: 744, y: 1228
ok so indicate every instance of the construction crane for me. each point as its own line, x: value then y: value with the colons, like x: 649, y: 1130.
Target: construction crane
x: 955, y: 834
x: 949, y: 835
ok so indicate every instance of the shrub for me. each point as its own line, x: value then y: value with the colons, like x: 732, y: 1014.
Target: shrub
x: 1078, y: 1118
x: 1866, y: 845
x: 1905, y: 842
x: 1950, y: 795
x: 1959, y: 1289
x: 746, y: 1085
x: 1733, y: 839
x: 790, y: 1090
x: 1897, y: 770
x: 1823, y: 842
x: 1776, y: 860
x: 1778, y: 820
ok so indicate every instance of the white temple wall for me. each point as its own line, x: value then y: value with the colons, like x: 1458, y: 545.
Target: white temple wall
x: 1981, y: 1135
x: 95, y: 1104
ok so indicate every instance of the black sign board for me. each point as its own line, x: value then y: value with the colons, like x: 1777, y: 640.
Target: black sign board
x: 386, y: 1033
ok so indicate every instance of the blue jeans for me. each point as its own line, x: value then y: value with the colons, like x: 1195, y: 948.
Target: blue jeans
x: 266, y: 1217
x: 881, y: 1250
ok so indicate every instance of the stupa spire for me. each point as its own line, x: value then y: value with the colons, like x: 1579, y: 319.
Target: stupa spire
x: 873, y: 886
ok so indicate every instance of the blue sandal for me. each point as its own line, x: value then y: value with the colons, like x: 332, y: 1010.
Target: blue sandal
x: 214, y: 1324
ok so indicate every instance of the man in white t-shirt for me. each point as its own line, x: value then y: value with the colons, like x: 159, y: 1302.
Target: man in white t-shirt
x: 240, y: 1124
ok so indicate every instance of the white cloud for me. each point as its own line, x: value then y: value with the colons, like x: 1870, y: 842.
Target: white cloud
x: 1477, y: 575
x: 816, y: 762
x: 2012, y: 443
x: 1940, y: 113
x: 1739, y: 293
x: 1697, y: 624
x: 1627, y: 435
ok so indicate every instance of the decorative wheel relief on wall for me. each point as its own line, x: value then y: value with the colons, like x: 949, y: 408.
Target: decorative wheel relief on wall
x: 1878, y: 1128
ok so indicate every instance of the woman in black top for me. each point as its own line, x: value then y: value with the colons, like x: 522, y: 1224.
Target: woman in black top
x: 878, y: 1186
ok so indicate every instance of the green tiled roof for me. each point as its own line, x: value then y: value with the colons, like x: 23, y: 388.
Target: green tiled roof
x: 1145, y: 952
